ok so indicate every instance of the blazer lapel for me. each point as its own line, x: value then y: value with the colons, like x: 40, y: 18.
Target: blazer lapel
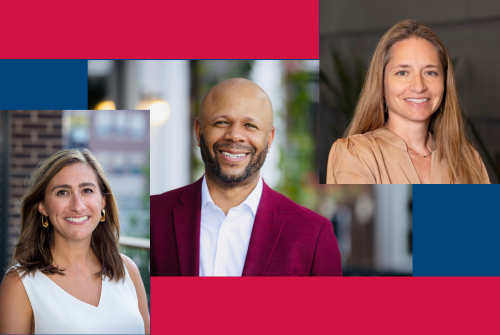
x: 266, y: 231
x: 399, y: 151
x: 187, y: 231
x: 404, y: 162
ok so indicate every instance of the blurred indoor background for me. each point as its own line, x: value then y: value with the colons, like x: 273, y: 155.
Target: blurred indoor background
x: 119, y: 140
x: 350, y: 30
x: 373, y: 224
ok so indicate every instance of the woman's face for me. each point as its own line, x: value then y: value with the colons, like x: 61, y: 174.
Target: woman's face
x: 73, y: 202
x: 413, y: 81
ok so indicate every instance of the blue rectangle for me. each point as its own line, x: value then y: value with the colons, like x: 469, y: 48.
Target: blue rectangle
x: 43, y: 84
x: 456, y: 230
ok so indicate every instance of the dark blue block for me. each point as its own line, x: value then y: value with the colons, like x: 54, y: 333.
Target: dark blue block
x: 456, y: 230
x: 43, y: 84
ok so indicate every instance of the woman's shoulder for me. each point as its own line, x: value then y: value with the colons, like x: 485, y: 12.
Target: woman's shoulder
x: 352, y: 159
x: 371, y: 141
x: 140, y: 292
x: 15, y: 306
x: 131, y: 268
x: 355, y: 138
x: 129, y: 263
x: 12, y: 289
x: 356, y: 144
x: 12, y: 281
x: 18, y: 272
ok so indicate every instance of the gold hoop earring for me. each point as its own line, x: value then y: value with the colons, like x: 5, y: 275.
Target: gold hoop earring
x: 103, y: 215
x: 45, y: 223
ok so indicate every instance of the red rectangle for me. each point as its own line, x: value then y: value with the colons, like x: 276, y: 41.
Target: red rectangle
x: 345, y: 305
x: 220, y: 29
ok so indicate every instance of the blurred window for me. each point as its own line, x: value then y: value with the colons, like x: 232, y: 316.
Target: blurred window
x: 103, y: 158
x: 120, y: 123
x: 119, y: 162
x: 137, y: 125
x: 103, y: 120
x: 79, y: 132
x: 136, y: 161
x: 79, y: 137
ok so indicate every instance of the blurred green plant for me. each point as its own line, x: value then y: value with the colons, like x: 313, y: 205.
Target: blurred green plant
x: 346, y: 92
x: 299, y: 178
x: 297, y: 156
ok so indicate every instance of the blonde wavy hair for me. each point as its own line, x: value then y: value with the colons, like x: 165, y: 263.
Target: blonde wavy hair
x: 447, y: 124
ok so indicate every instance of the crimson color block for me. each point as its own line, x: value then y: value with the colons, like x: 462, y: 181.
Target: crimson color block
x: 333, y: 305
x: 218, y: 29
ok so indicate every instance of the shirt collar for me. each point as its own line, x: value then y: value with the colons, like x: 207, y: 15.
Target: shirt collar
x: 393, y: 139
x: 252, y: 201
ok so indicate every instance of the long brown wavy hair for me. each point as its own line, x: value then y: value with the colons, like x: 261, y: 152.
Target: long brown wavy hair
x: 32, y: 251
x: 447, y: 124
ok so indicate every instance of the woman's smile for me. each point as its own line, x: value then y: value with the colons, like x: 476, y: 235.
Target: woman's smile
x: 78, y: 220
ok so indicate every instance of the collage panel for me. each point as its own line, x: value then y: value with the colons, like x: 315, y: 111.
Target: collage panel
x: 379, y: 66
x: 75, y: 206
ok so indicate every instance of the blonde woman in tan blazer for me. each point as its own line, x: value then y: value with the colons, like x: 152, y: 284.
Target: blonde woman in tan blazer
x: 408, y: 126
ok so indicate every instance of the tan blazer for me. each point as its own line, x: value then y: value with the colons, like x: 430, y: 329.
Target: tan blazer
x: 381, y: 157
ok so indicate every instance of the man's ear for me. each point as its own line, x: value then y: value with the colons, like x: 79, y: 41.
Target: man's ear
x: 41, y: 208
x: 197, y: 130
x: 270, y: 139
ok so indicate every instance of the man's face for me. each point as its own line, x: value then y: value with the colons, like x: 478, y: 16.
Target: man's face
x: 234, y: 132
x: 213, y: 166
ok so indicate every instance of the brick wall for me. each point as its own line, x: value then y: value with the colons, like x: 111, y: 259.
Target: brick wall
x: 36, y: 135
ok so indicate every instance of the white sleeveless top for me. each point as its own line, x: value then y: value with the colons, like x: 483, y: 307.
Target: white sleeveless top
x: 58, y: 312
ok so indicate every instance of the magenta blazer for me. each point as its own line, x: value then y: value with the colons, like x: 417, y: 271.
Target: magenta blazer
x: 287, y: 239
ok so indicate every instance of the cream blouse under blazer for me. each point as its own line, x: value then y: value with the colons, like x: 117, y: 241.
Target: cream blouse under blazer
x: 381, y: 157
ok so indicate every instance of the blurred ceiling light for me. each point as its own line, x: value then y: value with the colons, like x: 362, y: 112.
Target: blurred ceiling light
x: 159, y: 111
x: 364, y: 208
x: 105, y: 105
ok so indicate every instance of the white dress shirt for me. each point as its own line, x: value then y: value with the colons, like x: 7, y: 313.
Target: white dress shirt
x: 224, y: 239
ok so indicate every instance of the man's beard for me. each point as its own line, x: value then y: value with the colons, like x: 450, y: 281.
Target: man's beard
x: 214, y: 169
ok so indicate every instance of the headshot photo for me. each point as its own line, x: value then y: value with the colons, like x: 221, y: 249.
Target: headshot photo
x: 396, y: 106
x: 230, y: 222
x: 71, y: 268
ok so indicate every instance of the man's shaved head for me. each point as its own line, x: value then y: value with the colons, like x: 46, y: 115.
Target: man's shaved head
x: 234, y: 131
x: 237, y: 91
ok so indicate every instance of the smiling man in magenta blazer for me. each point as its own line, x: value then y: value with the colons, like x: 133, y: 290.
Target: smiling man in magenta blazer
x: 230, y: 223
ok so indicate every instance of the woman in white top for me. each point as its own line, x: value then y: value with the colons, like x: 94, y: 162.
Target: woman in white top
x: 67, y: 274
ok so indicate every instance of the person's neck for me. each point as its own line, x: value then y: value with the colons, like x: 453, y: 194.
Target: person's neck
x: 72, y: 254
x: 415, y: 134
x: 226, y: 197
